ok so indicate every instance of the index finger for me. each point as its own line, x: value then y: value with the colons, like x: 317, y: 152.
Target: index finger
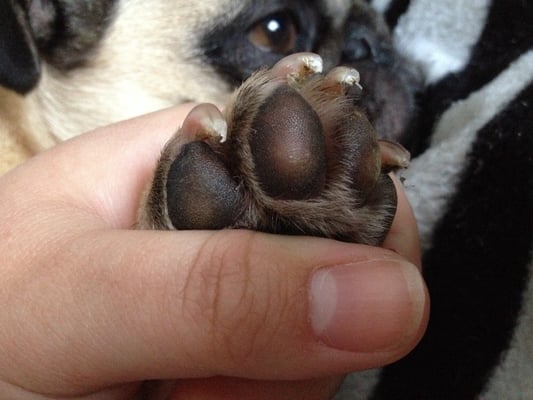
x: 403, y: 236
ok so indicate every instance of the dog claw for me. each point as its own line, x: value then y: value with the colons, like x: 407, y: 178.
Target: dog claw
x: 298, y: 66
x: 393, y: 155
x: 342, y: 83
x: 205, y: 122
x: 345, y: 78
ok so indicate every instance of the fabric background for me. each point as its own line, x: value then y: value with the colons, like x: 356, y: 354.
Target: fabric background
x: 471, y: 187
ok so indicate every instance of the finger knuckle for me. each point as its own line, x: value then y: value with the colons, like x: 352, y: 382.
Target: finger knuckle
x: 242, y: 300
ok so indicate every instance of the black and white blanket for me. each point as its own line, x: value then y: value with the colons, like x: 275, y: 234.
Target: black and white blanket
x: 471, y: 187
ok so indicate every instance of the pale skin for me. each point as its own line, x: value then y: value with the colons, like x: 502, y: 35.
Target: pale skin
x: 92, y: 308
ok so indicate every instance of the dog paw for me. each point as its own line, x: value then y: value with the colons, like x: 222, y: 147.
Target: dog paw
x: 290, y: 154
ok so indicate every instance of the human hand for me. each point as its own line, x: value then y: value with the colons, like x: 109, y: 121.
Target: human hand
x: 92, y: 308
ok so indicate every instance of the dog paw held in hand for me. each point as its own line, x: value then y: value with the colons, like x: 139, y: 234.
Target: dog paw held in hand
x: 292, y: 153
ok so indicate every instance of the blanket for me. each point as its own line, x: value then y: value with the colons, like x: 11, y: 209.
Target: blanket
x: 471, y: 187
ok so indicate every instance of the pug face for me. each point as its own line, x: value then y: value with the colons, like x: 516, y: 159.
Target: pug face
x: 87, y: 64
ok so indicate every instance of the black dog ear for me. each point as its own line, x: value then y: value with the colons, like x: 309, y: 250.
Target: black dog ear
x: 23, y: 23
x: 20, y: 67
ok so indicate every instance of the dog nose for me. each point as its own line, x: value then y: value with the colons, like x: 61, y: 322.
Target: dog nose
x: 363, y: 43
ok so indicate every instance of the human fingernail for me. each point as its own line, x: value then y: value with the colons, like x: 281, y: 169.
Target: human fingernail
x: 367, y: 306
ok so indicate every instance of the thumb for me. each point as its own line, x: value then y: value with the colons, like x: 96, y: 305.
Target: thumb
x: 157, y: 305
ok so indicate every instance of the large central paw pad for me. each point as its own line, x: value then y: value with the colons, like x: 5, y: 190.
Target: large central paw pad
x: 292, y: 154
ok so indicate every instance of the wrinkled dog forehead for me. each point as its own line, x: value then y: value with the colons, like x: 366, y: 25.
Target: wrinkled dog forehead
x: 191, y: 29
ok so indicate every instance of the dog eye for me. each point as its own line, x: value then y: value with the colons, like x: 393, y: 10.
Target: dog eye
x: 276, y: 33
